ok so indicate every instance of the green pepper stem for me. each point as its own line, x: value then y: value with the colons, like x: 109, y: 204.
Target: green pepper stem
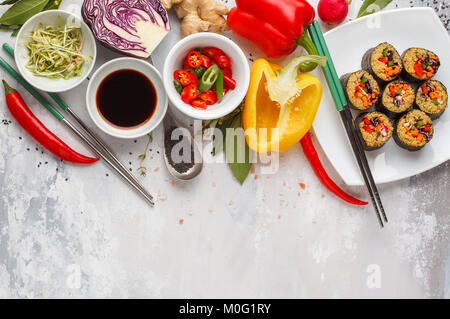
x: 306, y: 42
x: 8, y: 89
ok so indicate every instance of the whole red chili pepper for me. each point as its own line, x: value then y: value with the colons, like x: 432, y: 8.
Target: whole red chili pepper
x: 313, y: 158
x: 38, y: 131
x: 275, y: 26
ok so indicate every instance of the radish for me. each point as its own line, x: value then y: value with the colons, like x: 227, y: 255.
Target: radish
x: 333, y: 11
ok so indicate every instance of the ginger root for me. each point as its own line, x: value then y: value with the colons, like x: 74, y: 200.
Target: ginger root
x: 199, y: 15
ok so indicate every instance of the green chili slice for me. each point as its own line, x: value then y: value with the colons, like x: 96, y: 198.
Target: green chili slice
x: 208, y: 78
x: 219, y: 86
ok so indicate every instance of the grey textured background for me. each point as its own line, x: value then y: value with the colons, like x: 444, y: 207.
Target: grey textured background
x: 70, y: 231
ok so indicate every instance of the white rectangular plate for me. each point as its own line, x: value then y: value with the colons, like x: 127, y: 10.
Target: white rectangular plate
x: 403, y: 28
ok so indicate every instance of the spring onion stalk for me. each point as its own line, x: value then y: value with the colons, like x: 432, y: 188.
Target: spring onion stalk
x: 55, y: 51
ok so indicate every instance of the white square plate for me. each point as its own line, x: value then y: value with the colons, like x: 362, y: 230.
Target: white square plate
x: 403, y: 28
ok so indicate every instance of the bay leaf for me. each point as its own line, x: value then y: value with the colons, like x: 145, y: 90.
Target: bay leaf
x: 364, y: 6
x: 376, y: 6
x: 240, y: 169
x: 21, y: 11
x: 8, y: 2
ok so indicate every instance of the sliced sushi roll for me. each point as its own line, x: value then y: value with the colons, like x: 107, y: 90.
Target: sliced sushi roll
x: 432, y: 98
x: 383, y: 62
x: 361, y: 90
x: 398, y: 97
x: 374, y: 129
x: 414, y: 130
x: 419, y: 64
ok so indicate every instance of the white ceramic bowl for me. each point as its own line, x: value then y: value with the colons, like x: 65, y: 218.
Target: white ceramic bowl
x: 133, y: 64
x: 241, y: 73
x: 50, y: 17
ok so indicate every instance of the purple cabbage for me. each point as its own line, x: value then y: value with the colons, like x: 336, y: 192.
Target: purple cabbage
x: 133, y: 27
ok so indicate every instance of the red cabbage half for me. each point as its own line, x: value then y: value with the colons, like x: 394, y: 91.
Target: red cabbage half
x: 134, y: 27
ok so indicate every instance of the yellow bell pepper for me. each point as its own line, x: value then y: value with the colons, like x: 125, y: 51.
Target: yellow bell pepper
x: 277, y: 120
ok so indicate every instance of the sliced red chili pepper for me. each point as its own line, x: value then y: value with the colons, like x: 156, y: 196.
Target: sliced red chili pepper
x: 228, y: 72
x: 23, y: 115
x: 223, y: 62
x: 229, y: 82
x: 313, y: 158
x: 194, y: 59
x: 199, y: 104
x: 206, y: 61
x: 210, y: 97
x: 193, y: 78
x: 189, y: 93
x: 183, y: 77
x: 212, y: 52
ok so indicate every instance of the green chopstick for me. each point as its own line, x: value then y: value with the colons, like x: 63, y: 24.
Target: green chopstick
x: 30, y: 89
x: 326, y: 69
x: 54, y: 96
x: 330, y: 63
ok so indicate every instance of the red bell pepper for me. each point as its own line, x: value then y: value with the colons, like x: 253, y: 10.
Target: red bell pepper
x: 275, y: 26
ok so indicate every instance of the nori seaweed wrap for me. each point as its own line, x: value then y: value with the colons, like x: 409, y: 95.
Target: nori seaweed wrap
x: 361, y: 90
x: 383, y: 62
x: 414, y: 130
x: 374, y: 129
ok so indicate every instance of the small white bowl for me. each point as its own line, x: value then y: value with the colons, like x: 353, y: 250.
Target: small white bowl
x: 50, y: 17
x: 240, y: 68
x: 134, y: 64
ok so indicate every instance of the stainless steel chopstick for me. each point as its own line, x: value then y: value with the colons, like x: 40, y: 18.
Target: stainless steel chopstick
x: 127, y: 177
x: 63, y: 105
x: 124, y: 174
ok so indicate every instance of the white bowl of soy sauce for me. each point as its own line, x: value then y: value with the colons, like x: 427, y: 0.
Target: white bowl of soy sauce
x: 126, y: 98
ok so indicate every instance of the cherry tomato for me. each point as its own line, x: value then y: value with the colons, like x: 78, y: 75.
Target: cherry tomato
x: 223, y: 62
x: 229, y: 82
x: 189, y: 93
x: 183, y: 77
x: 199, y: 104
x: 194, y: 59
x: 210, y: 97
x: 206, y: 61
x: 212, y: 52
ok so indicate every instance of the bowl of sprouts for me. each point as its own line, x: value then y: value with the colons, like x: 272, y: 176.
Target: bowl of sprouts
x: 55, y: 51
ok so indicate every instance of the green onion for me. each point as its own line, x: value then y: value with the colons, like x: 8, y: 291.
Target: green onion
x: 55, y: 51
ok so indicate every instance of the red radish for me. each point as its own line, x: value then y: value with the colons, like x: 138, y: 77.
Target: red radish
x: 333, y: 11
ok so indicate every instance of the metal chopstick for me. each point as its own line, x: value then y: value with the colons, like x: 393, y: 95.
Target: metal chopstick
x: 127, y: 176
x: 63, y: 105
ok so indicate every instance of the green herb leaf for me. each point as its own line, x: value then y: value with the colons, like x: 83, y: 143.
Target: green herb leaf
x: 364, y: 6
x: 21, y: 11
x: 233, y: 155
x: 372, y: 6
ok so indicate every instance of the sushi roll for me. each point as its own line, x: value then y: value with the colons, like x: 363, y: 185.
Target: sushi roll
x: 419, y: 64
x: 361, y: 90
x: 374, y: 129
x: 432, y: 98
x: 383, y: 62
x: 414, y: 130
x: 398, y: 97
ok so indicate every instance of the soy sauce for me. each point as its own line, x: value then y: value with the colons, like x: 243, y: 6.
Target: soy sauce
x: 126, y: 98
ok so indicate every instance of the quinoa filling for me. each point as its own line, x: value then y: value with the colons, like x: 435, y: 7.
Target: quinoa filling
x: 391, y: 68
x: 376, y: 127
x: 430, y: 93
x: 365, y: 91
x: 399, y: 92
x: 427, y: 66
x: 419, y: 130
